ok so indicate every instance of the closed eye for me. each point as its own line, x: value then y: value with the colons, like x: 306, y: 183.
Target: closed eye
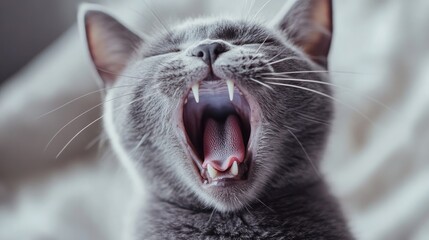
x: 157, y: 54
x: 243, y: 42
x: 268, y: 40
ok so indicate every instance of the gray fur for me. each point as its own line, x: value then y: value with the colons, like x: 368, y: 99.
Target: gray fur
x: 284, y: 197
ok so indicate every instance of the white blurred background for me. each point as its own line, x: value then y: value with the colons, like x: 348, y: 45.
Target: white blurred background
x: 379, y: 169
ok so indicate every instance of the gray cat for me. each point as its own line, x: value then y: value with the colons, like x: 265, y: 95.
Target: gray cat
x: 224, y: 122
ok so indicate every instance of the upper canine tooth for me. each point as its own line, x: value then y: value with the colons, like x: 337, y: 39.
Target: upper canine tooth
x: 230, y: 85
x: 195, y: 89
x: 212, y: 172
x: 234, y: 169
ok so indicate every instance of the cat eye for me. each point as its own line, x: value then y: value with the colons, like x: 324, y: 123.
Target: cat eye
x: 268, y: 40
x: 156, y: 54
x: 265, y: 41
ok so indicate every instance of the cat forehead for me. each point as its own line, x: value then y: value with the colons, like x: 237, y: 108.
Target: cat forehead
x: 197, y: 31
x: 212, y: 28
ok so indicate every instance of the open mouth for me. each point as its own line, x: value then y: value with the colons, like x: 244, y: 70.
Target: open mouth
x: 217, y: 124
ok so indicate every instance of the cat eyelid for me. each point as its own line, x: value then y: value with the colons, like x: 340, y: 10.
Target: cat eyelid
x: 176, y: 50
x: 268, y: 41
x: 256, y: 42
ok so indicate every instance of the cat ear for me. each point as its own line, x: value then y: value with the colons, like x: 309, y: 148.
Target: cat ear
x: 110, y: 43
x: 308, y: 25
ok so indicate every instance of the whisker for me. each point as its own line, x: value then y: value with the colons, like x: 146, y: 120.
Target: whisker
x: 210, y: 218
x: 244, y: 205
x: 252, y: 3
x: 314, y: 71
x: 155, y: 14
x: 92, y: 143
x: 117, y: 74
x: 283, y: 59
x: 263, y: 84
x: 259, y: 48
x: 127, y: 76
x: 87, y: 126
x: 77, y: 98
x: 93, y: 122
x: 262, y: 8
x: 244, y: 9
x: 178, y: 88
x: 309, y: 118
x: 373, y: 100
x: 305, y: 152
x: 139, y: 144
x: 139, y: 12
x: 80, y: 115
x: 322, y: 94
x: 275, y: 56
x: 272, y: 210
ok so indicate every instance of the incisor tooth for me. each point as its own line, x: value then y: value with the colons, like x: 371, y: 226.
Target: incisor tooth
x: 195, y: 89
x: 212, y: 171
x: 230, y: 85
x: 234, y: 169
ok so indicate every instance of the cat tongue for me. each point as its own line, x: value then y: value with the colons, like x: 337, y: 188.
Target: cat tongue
x: 223, y: 143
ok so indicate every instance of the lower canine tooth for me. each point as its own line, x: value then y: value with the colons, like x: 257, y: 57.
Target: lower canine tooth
x: 230, y: 85
x: 234, y: 169
x: 212, y: 172
x: 195, y: 89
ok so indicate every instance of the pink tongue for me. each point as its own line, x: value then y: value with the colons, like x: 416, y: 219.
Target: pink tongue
x: 223, y: 143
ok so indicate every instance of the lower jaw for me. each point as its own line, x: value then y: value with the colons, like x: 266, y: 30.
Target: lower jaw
x: 228, y: 196
x: 223, y: 180
x: 224, y: 183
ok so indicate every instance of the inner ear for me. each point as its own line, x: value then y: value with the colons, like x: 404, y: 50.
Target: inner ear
x: 111, y: 45
x: 308, y: 25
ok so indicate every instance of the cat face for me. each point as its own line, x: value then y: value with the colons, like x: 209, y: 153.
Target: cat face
x: 217, y: 112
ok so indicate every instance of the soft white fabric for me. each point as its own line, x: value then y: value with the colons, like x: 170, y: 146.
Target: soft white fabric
x: 378, y: 168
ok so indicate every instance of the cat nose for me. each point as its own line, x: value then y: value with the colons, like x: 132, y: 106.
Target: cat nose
x: 209, y: 52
